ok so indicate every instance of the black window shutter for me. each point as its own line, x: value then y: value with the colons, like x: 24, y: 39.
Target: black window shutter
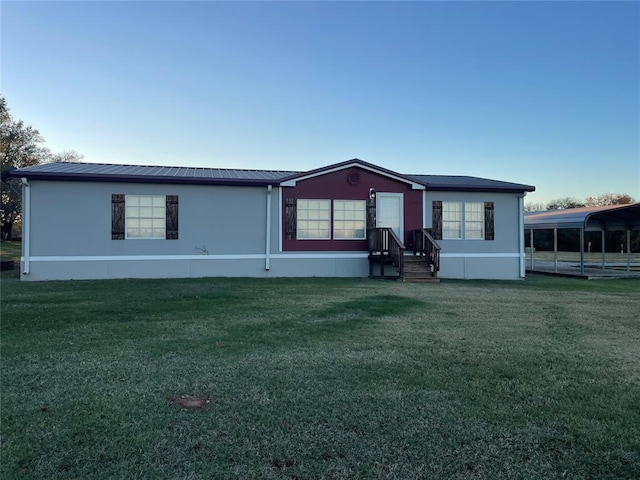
x: 290, y: 218
x: 371, y: 213
x: 117, y: 216
x: 172, y: 217
x: 436, y: 220
x: 488, y: 221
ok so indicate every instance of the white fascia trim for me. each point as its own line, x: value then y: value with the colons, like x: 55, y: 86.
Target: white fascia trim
x: 479, y: 255
x: 129, y: 258
x: 424, y: 209
x: 292, y: 183
x: 322, y: 255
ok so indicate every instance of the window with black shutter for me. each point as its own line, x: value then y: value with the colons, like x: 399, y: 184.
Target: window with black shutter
x: 171, y: 217
x: 117, y: 216
x: 463, y: 220
x: 488, y: 221
x: 291, y: 221
x: 436, y: 220
x: 144, y: 217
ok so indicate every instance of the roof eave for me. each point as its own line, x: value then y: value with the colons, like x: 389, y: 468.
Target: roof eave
x: 471, y: 188
x: 82, y: 177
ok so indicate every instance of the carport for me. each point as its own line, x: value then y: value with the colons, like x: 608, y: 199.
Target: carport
x: 603, y: 219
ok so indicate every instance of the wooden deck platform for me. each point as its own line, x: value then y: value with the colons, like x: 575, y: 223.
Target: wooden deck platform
x: 591, y: 271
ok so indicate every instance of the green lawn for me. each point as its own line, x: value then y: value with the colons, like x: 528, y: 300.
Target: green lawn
x: 321, y: 378
x: 10, y: 251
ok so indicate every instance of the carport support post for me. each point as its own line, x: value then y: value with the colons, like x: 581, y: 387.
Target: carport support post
x: 531, y: 246
x: 628, y: 250
x: 582, y: 251
x: 603, y: 263
x: 555, y: 250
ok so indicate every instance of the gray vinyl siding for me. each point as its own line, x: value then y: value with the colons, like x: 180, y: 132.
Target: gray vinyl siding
x: 201, y: 267
x: 71, y: 236
x: 464, y: 258
x: 485, y: 268
x: 74, y: 219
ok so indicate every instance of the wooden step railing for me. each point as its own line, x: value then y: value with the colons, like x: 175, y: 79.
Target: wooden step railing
x: 426, y: 246
x: 384, y: 241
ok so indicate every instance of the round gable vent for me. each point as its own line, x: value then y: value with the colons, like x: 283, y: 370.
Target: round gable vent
x: 353, y: 178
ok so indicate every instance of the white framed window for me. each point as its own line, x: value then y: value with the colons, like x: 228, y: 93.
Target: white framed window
x: 349, y: 219
x: 145, y: 216
x: 474, y: 220
x: 451, y: 220
x: 313, y: 219
x: 463, y: 220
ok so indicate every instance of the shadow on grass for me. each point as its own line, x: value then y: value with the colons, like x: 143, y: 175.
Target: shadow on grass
x: 333, y: 322
x: 363, y: 308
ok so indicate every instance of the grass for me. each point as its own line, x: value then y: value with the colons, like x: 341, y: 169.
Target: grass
x: 10, y: 251
x: 321, y: 378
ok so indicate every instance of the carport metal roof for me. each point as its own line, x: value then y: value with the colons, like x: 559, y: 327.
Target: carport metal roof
x: 613, y: 217
x: 610, y: 218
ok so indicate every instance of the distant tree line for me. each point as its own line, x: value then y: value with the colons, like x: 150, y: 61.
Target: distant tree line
x: 20, y: 146
x: 602, y: 200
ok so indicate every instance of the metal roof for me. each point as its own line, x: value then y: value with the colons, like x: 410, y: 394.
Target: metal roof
x: 454, y: 182
x: 613, y: 217
x: 149, y: 174
x: 100, y: 172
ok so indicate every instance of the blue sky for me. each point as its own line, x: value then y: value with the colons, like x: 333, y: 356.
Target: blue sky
x: 542, y: 93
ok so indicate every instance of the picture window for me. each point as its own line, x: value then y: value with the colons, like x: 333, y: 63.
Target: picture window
x: 145, y: 216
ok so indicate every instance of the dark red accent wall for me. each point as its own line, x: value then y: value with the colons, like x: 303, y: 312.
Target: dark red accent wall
x: 336, y: 186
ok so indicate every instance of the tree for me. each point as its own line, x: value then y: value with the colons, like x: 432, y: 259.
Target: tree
x: 65, y: 156
x: 534, y: 207
x: 562, y: 203
x: 20, y: 146
x: 609, y: 199
x: 568, y: 202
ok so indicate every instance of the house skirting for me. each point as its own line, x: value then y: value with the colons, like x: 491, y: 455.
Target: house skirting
x: 348, y: 264
x: 490, y: 266
x: 186, y: 266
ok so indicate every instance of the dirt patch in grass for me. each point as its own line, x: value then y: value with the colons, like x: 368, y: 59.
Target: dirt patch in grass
x: 190, y: 402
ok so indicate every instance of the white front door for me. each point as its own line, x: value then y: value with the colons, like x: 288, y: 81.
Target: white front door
x: 390, y: 213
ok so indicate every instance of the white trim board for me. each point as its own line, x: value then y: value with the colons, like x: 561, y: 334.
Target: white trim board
x: 129, y: 258
x: 323, y: 255
x: 257, y: 256
x: 479, y: 255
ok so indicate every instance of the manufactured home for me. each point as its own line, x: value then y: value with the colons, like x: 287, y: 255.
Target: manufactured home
x: 350, y: 219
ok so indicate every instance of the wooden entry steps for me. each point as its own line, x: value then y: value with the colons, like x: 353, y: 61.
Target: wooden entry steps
x: 417, y: 270
x: 420, y: 266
